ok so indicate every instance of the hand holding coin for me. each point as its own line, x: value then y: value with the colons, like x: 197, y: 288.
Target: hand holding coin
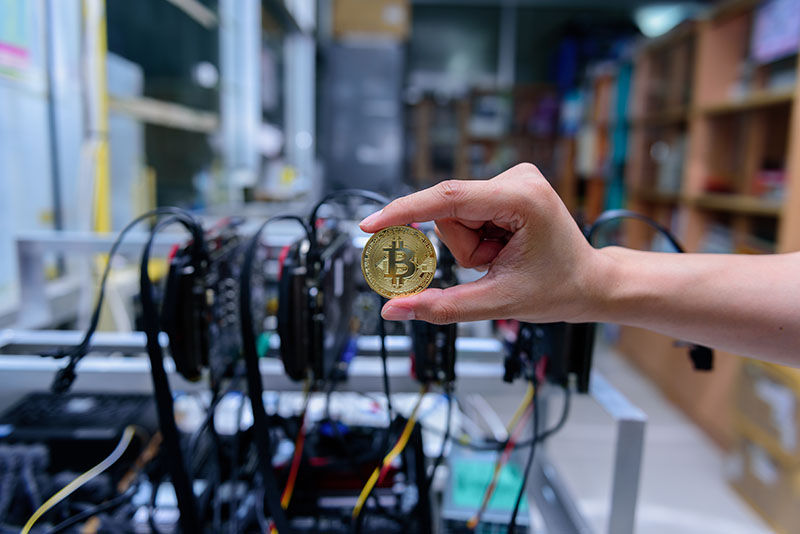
x: 513, y: 226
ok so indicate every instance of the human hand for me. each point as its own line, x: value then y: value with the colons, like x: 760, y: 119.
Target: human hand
x: 539, y: 266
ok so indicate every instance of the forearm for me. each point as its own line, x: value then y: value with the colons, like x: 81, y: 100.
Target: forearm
x: 748, y: 305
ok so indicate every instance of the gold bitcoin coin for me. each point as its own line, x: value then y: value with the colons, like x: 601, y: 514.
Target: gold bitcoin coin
x: 398, y: 261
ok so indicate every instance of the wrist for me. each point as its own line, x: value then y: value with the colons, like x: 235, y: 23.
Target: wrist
x: 603, y: 285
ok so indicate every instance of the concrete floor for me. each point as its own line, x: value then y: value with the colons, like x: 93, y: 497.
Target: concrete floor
x: 683, y: 487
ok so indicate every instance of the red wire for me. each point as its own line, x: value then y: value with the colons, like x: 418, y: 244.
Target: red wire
x: 504, y: 456
x: 293, y: 470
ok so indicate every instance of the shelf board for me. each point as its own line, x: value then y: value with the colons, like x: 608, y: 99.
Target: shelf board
x: 508, y: 138
x: 207, y: 18
x: 740, y: 204
x: 761, y: 99
x: 653, y: 196
x: 731, y: 8
x: 167, y: 114
x: 670, y: 116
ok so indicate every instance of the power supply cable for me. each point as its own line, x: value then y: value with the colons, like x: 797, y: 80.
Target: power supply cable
x: 380, y: 472
x: 529, y: 464
x: 339, y: 195
x: 66, y: 375
x: 385, y: 365
x: 181, y: 480
x: 445, y: 438
x: 615, y: 215
x: 255, y: 388
x: 286, y: 496
x: 514, y: 429
x: 235, y: 464
x: 94, y: 510
x: 297, y: 455
x: 204, y: 425
x: 66, y: 491
x: 545, y: 435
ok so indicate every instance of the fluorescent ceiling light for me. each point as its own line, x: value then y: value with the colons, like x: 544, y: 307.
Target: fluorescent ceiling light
x: 655, y: 20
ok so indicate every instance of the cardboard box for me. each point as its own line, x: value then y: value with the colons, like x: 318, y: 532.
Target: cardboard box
x: 372, y: 18
x: 771, y: 490
x: 767, y: 407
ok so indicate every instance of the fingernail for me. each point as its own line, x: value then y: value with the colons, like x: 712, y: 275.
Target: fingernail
x: 371, y: 218
x: 397, y: 313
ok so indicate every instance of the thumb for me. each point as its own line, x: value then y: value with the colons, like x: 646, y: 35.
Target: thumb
x: 474, y: 301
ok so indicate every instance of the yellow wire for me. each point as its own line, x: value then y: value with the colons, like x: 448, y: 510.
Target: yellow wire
x: 526, y: 401
x: 521, y: 408
x: 389, y: 458
x: 64, y: 492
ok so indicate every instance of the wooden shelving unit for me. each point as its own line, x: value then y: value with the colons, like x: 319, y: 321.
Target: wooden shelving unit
x: 660, y: 112
x: 690, y: 90
x: 739, y: 204
x: 591, y: 151
x: 526, y: 133
x: 760, y: 99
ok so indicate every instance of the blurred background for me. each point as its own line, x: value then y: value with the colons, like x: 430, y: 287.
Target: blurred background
x: 682, y: 111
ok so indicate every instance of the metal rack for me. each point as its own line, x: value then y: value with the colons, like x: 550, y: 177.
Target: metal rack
x: 478, y: 369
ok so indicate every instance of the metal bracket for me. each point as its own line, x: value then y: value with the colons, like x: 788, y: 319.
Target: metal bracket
x: 628, y: 453
x: 478, y: 369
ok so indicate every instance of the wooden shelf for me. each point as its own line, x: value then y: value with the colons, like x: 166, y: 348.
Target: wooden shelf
x: 674, y: 116
x: 740, y: 204
x: 656, y: 197
x: 508, y: 138
x: 724, y: 137
x: 758, y: 100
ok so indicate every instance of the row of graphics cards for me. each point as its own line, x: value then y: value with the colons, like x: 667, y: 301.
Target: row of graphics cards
x: 224, y: 293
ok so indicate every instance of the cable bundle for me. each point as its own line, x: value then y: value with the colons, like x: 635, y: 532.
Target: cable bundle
x: 380, y: 473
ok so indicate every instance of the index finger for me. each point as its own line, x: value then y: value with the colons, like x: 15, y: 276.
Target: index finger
x: 472, y: 199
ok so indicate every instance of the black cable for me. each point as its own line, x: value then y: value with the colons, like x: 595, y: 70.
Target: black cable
x: 235, y: 468
x: 66, y: 375
x: 181, y: 481
x: 213, y: 493
x: 343, y: 193
x: 255, y: 388
x: 445, y: 438
x: 613, y: 215
x: 86, y: 514
x: 313, y: 250
x: 29, y: 479
x: 543, y: 436
x: 262, y: 520
x: 495, y: 445
x: 211, y: 409
x: 350, y: 458
x: 528, y: 465
x: 384, y: 353
x: 9, y: 461
x: 384, y: 362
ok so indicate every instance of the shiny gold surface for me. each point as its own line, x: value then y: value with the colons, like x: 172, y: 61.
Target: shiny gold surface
x: 398, y: 261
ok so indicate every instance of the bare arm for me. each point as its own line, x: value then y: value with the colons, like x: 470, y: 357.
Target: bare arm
x: 541, y: 269
x: 748, y: 305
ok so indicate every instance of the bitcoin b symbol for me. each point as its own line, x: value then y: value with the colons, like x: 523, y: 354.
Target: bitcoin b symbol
x: 397, y: 254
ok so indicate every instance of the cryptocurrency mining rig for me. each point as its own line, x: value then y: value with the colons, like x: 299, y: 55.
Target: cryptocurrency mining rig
x: 255, y: 408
